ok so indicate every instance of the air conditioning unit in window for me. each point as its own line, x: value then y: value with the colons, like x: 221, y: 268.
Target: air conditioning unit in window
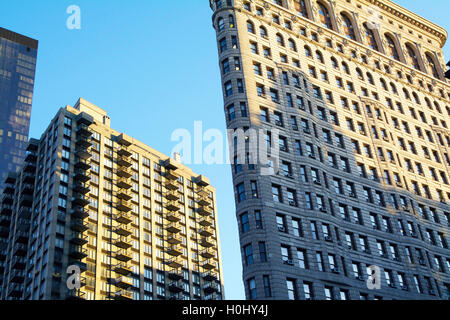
x: 281, y: 228
x: 322, y: 209
x: 405, y: 208
x: 360, y: 278
x: 404, y: 287
x: 352, y: 194
x: 335, y: 270
x: 392, y: 285
x: 292, y: 203
x: 328, y: 238
x: 431, y: 292
x: 278, y: 123
x: 397, y: 259
x: 414, y: 234
x: 317, y: 182
x: 422, y: 262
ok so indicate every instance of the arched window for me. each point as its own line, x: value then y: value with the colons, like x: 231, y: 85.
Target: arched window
x: 319, y: 56
x: 263, y: 32
x: 280, y: 40
x: 346, y: 68
x: 370, y: 78
x: 383, y: 84
x: 359, y: 74
x: 292, y: 45
x: 438, y: 108
x: 394, y: 88
x: 250, y: 27
x: 300, y: 7
x: 412, y: 57
x: 416, y: 98
x: 428, y: 103
x: 231, y: 21
x: 307, y: 51
x: 370, y: 37
x: 392, y: 48
x: 406, y: 94
x: 348, y: 27
x: 221, y: 24
x: 324, y: 16
x: 334, y: 63
x: 432, y: 64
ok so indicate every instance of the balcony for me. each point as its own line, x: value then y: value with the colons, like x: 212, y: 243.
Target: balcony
x: 27, y: 189
x: 170, y: 164
x: 17, y: 276
x: 174, y: 263
x: 122, y: 230
x: 123, y: 243
x: 124, y: 172
x: 176, y: 286
x: 9, y: 190
x: 205, y: 222
x: 18, y: 263
x: 124, y: 140
x: 30, y: 157
x: 208, y: 253
x: 81, y: 188
x: 203, y: 202
x: 80, y: 201
x: 83, y: 130
x: 202, y: 181
x: 122, y: 268
x: 77, y: 252
x: 206, y: 231
x: 173, y: 206
x: 6, y: 211
x: 79, y: 264
x: 174, y: 239
x: 124, y: 162
x: 80, y: 213
x: 121, y: 282
x: 204, y: 211
x: 122, y: 255
x: 174, y: 250
x: 81, y: 175
x: 175, y: 274
x: 78, y: 225
x: 122, y: 295
x: 169, y: 175
x: 173, y: 227
x: 29, y: 167
x: 23, y: 225
x: 123, y: 206
x: 123, y: 152
x: 171, y: 185
x: 22, y: 237
x: 82, y: 164
x: 123, y: 183
x: 28, y: 177
x: 123, y: 218
x: 83, y: 142
x: 26, y: 201
x: 210, y: 276
x: 82, y: 153
x: 172, y: 195
x: 20, y: 250
x: 211, y: 287
x: 208, y: 265
x: 173, y: 217
x: 8, y: 200
x: 15, y: 291
x: 78, y: 238
x: 205, y: 243
x: 124, y: 194
x: 4, y: 221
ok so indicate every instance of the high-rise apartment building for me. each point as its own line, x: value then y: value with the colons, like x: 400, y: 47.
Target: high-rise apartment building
x: 350, y: 98
x: 90, y: 201
x: 17, y: 70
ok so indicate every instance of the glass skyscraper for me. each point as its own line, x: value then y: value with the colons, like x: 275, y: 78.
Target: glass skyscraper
x: 17, y: 70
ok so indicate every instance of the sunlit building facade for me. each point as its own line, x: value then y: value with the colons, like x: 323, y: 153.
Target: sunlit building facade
x: 353, y: 94
x: 133, y: 222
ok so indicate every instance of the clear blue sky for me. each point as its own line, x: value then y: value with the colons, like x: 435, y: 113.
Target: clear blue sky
x: 153, y: 66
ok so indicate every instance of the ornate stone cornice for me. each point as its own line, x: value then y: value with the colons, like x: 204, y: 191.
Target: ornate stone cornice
x: 412, y: 18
